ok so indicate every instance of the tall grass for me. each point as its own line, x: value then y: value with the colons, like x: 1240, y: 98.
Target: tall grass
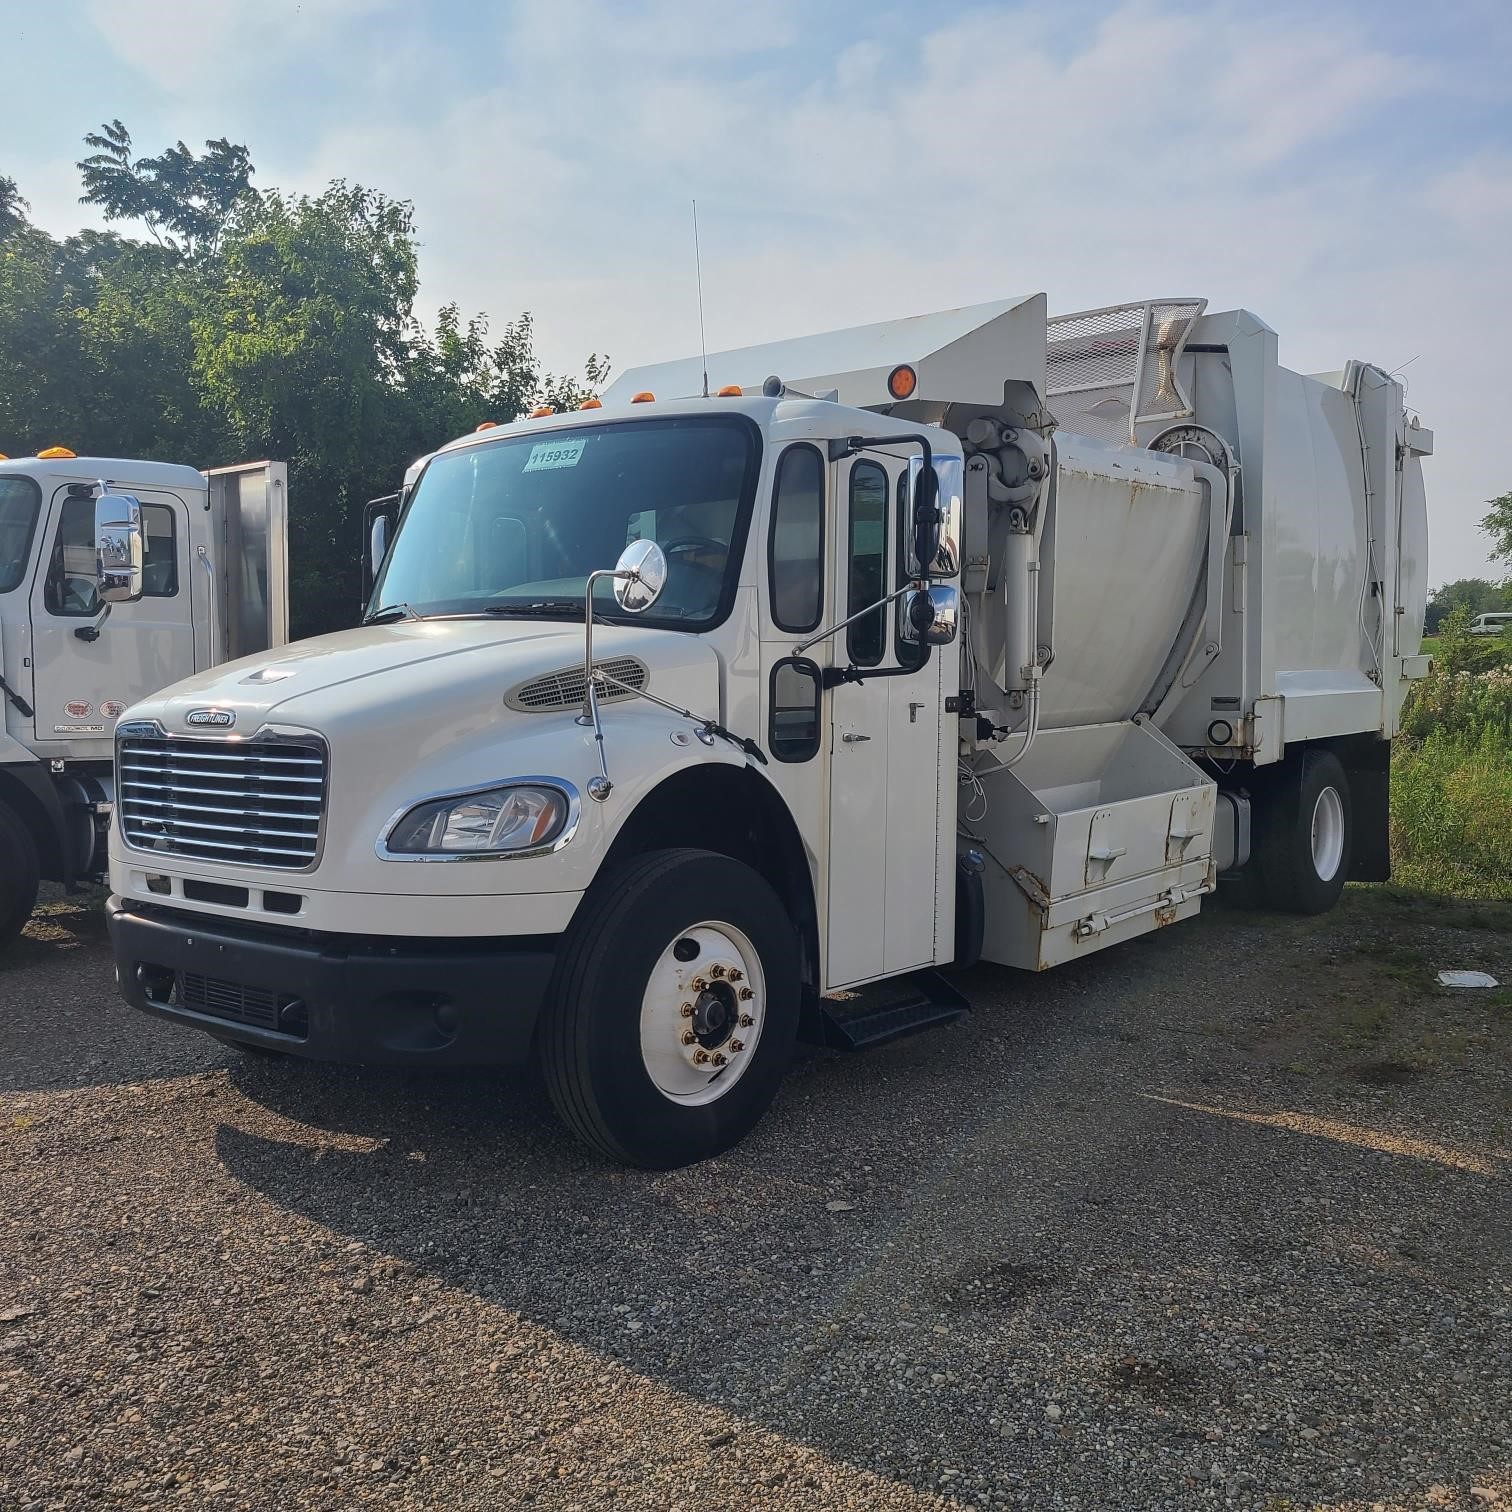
x: 1451, y: 775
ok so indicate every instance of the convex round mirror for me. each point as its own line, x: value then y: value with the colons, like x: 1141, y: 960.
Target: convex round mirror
x: 640, y: 576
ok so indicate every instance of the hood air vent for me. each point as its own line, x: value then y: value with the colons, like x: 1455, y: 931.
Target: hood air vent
x: 564, y: 689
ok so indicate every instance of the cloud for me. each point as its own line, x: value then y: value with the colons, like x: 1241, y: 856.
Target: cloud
x: 1323, y: 166
x: 196, y: 48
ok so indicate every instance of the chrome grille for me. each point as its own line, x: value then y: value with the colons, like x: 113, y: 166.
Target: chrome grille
x: 253, y: 802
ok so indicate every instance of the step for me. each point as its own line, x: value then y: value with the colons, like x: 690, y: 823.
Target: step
x: 887, y: 1011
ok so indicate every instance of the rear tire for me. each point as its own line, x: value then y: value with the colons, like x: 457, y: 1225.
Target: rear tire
x: 674, y: 1009
x: 20, y: 874
x: 1305, y: 838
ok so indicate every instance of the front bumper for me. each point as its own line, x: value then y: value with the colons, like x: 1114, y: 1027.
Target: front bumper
x: 357, y: 999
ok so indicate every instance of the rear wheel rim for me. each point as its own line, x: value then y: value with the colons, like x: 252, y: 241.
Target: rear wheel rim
x: 1328, y: 834
x: 702, y: 1013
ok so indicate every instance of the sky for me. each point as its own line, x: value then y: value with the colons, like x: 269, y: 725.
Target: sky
x: 1343, y: 168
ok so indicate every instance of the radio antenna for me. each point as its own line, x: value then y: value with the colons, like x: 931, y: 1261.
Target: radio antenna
x: 703, y: 342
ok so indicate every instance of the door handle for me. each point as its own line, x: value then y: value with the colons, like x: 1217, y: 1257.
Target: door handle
x: 851, y: 739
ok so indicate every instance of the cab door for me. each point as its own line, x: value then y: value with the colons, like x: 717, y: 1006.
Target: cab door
x: 88, y: 666
x: 884, y: 750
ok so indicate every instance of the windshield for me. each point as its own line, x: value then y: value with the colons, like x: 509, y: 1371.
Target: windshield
x: 20, y: 499
x: 516, y: 525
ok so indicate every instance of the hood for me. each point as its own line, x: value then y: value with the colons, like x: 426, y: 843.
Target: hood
x: 422, y: 670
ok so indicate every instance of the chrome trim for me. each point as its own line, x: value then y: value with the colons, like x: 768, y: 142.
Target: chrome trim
x: 558, y: 784
x: 153, y: 729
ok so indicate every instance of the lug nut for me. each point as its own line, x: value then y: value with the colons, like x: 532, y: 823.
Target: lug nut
x: 689, y: 1038
x: 746, y: 1020
x: 737, y: 1044
x: 746, y: 994
x: 716, y: 971
x: 699, y: 984
x: 686, y: 1010
x: 736, y: 974
x: 719, y: 1060
x: 700, y: 1057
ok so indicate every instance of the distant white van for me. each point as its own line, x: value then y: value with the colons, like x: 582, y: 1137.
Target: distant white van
x: 1491, y: 624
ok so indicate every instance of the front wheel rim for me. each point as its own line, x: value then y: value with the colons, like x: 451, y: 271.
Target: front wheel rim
x: 702, y: 1013
x: 1328, y: 834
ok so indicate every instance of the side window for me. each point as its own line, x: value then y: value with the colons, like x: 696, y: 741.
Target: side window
x: 866, y: 639
x: 795, y: 548
x: 70, y: 588
x: 159, y: 552
x: 909, y: 653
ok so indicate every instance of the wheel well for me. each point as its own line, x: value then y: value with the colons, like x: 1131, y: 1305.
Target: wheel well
x: 18, y: 796
x: 736, y: 812
x: 1366, y: 759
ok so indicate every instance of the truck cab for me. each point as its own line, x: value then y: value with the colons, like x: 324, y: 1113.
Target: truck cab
x: 71, y: 659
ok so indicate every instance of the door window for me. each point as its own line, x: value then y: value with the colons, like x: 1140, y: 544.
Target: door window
x: 866, y: 638
x: 909, y: 653
x: 795, y: 548
x: 70, y: 589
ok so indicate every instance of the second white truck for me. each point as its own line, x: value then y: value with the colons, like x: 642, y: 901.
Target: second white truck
x: 203, y: 580
x: 980, y: 635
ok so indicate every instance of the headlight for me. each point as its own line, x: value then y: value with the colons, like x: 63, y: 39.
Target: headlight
x: 496, y: 821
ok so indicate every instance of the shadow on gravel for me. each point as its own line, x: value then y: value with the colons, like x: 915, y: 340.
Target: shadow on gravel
x: 63, y: 1025
x: 994, y: 1206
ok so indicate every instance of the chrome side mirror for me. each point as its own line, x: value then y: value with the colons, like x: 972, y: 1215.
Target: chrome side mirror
x: 639, y: 576
x: 118, y: 548
x: 941, y: 497
x: 378, y: 541
x: 930, y: 617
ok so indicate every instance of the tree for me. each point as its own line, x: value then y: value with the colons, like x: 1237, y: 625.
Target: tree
x: 1498, y: 525
x: 251, y: 324
x: 183, y: 200
x: 1471, y: 595
x: 12, y: 208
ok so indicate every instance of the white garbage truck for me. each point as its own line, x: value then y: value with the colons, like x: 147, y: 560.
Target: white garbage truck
x: 735, y: 705
x: 197, y: 577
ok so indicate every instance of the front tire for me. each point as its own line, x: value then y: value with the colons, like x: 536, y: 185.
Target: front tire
x: 674, y: 1009
x: 1305, y: 840
x: 20, y: 873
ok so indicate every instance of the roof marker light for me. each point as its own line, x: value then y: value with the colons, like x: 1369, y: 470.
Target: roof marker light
x: 644, y: 397
x: 591, y: 403
x: 53, y: 453
x: 729, y: 391
x: 487, y: 425
x: 540, y: 412
x: 902, y: 381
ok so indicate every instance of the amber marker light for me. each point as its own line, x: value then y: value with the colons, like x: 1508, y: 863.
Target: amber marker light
x: 902, y: 381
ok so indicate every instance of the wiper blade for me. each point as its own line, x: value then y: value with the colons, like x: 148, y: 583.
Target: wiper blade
x: 390, y: 613
x: 541, y: 607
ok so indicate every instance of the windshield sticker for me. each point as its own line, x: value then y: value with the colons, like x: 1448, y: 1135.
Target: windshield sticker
x: 545, y: 455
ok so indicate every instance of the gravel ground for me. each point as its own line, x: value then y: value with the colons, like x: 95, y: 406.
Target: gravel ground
x: 1217, y: 1218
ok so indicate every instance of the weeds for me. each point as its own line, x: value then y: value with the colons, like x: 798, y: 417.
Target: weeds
x: 1451, y: 779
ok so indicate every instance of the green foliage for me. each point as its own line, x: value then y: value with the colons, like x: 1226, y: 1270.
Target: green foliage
x: 1451, y: 774
x: 1473, y: 595
x: 1451, y: 814
x: 1498, y: 525
x: 252, y: 324
x: 183, y: 200
x: 12, y: 208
